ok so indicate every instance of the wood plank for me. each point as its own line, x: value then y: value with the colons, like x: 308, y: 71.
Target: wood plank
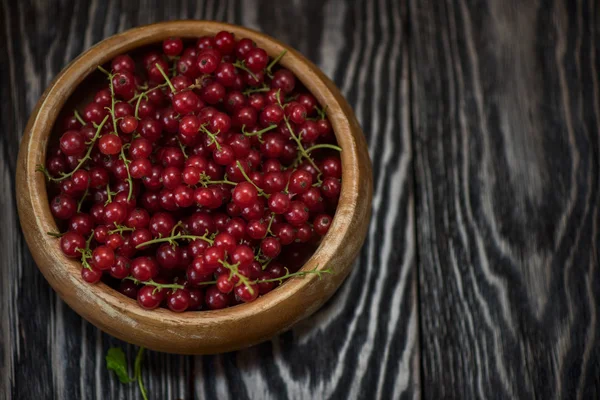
x: 363, y: 343
x: 506, y: 120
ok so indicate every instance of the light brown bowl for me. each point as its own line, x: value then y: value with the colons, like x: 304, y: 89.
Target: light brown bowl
x: 201, y: 332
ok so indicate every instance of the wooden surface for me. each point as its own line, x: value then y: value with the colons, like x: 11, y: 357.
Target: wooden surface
x: 479, y: 278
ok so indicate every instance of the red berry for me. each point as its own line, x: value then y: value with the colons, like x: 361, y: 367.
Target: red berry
x: 103, y: 257
x: 72, y: 143
x: 110, y: 144
x: 179, y: 300
x: 172, y: 46
x: 91, y: 275
x: 144, y: 268
x: 149, y: 298
x: 71, y: 243
x: 63, y: 207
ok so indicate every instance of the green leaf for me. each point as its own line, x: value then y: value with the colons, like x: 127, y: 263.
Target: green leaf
x: 115, y: 360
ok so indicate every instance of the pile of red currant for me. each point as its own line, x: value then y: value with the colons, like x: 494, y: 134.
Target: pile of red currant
x: 200, y: 176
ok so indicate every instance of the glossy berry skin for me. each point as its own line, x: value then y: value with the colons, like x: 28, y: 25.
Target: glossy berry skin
x: 297, y: 214
x: 256, y: 59
x: 186, y: 102
x: 242, y: 255
x: 148, y: 298
x: 279, y: 202
x: 213, y: 256
x: 120, y: 269
x: 331, y: 167
x: 300, y: 182
x: 284, y: 79
x: 224, y: 284
x: 128, y: 124
x: 144, y: 268
x: 122, y: 63
x: 82, y: 224
x: 72, y: 143
x: 321, y: 224
x: 161, y: 224
x: 168, y: 257
x: 114, y: 213
x: 63, y: 207
x: 172, y: 46
x: 215, y: 299
x: 270, y: 247
x: 103, y: 257
x: 245, y: 194
x: 331, y: 188
x: 178, y: 301
x: 70, y: 242
x: 247, y: 293
x: 225, y: 241
x: 110, y: 144
x: 91, y: 275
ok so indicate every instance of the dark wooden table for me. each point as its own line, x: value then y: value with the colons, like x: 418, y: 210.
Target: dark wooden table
x: 479, y: 277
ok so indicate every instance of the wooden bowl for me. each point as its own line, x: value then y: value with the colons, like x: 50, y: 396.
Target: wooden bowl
x: 200, y: 332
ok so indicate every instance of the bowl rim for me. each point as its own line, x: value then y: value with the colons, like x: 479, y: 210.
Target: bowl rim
x: 43, y: 119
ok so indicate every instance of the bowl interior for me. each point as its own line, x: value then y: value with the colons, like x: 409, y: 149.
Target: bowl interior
x: 114, y: 312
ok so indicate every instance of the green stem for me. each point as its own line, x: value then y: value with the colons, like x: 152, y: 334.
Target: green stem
x: 275, y: 61
x: 138, y: 372
x: 78, y: 118
x: 212, y: 136
x: 240, y: 64
x: 234, y: 271
x: 300, y: 146
x: 137, y: 106
x: 121, y: 229
x: 260, y: 191
x: 54, y: 234
x: 157, y: 286
x: 166, y: 77
x: 145, y: 93
x: 108, y: 194
x: 269, y: 226
x: 80, y: 202
x: 172, y: 239
x: 258, y: 133
x: 324, y: 146
x: 129, y: 180
x: 64, y: 176
x: 263, y: 88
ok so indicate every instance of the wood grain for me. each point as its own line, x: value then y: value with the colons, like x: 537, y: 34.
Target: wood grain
x: 505, y: 110
x: 364, y: 341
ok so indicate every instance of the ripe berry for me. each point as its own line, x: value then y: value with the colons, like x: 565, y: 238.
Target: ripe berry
x: 110, y: 144
x: 91, y: 275
x: 244, y: 194
x: 72, y: 143
x: 63, y: 207
x: 161, y: 224
x: 179, y: 300
x: 247, y: 293
x: 270, y: 247
x: 168, y: 257
x: 149, y: 298
x: 71, y: 243
x: 224, y: 284
x: 321, y: 224
x: 256, y: 59
x: 215, y: 299
x: 103, y: 257
x: 279, y: 202
x: 172, y: 46
x: 144, y: 268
